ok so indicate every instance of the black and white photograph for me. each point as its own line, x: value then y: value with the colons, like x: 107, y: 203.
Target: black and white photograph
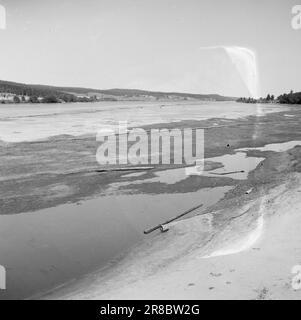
x: 150, y: 150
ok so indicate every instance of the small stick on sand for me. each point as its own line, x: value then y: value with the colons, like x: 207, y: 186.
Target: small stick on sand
x: 162, y: 225
x: 125, y: 169
x: 225, y: 173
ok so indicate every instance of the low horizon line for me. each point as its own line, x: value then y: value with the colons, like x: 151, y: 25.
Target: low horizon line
x: 116, y: 88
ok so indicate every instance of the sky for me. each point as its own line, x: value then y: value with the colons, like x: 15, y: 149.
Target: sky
x: 165, y: 45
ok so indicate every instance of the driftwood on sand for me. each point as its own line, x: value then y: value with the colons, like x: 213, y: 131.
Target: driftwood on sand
x: 225, y: 173
x: 162, y: 226
x: 125, y: 169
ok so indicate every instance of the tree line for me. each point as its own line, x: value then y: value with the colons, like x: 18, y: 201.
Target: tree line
x: 50, y: 99
x: 286, y: 98
x: 290, y: 98
x: 38, y: 94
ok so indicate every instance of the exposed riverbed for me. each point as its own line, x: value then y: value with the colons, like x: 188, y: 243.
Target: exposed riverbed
x: 60, y: 219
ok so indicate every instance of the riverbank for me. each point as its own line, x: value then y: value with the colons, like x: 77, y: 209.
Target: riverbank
x: 244, y: 248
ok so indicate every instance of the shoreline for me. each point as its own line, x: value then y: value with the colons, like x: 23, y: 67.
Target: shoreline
x: 230, y: 253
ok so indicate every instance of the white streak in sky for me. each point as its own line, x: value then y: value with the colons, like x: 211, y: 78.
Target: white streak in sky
x: 245, y: 62
x: 2, y: 17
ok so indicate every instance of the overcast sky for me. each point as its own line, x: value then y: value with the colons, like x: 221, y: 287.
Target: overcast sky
x: 149, y: 44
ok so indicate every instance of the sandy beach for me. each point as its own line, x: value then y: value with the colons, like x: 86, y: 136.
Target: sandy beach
x: 251, y: 256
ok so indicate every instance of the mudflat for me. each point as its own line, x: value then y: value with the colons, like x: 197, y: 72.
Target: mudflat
x: 246, y: 246
x: 54, y: 186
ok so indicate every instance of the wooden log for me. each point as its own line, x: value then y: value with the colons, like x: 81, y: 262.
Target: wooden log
x: 225, y: 173
x: 162, y: 225
x: 125, y: 169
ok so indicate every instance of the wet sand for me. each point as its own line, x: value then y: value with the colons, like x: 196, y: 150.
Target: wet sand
x: 245, y: 247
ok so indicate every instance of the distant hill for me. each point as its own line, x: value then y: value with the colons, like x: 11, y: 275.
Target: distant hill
x: 10, y: 89
x: 143, y: 93
x: 73, y: 94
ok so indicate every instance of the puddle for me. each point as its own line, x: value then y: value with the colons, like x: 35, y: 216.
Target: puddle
x: 232, y: 163
x: 169, y: 176
x: 277, y: 147
x: 135, y: 174
x: 43, y: 249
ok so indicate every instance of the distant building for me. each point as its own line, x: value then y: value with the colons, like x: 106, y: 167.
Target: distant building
x: 7, y: 97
